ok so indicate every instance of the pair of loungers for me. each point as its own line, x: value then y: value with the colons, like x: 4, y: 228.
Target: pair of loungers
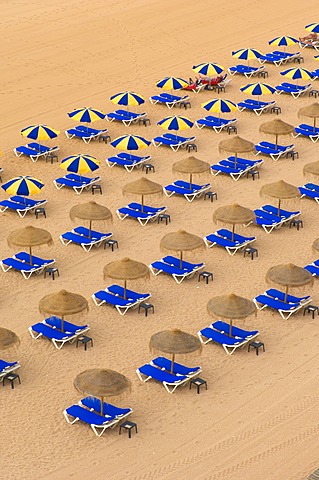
x: 7, y: 367
x: 21, y: 205
x: 313, y: 268
x: 286, y: 305
x: 273, y: 150
x: 235, y: 167
x: 159, y: 369
x: 142, y: 213
x: 75, y: 181
x: 310, y: 190
x: 114, y: 296
x: 278, y: 57
x: 225, y: 238
x: 174, y: 267
x: 175, y: 142
x: 34, y: 151
x: 292, y: 89
x: 51, y: 328
x: 189, y: 191
x: 129, y: 162
x: 216, y: 123
x: 308, y: 131
x: 85, y: 133
x: 20, y: 262
x: 124, y: 116
x: 269, y: 218
x: 219, y: 332
x: 246, y: 70
x: 85, y: 237
x: 169, y: 100
x: 256, y: 106
x: 88, y: 411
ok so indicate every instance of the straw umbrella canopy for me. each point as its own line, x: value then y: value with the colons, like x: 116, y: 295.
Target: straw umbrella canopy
x: 234, y: 215
x: 236, y: 145
x: 289, y: 275
x: 312, y: 168
x: 311, y: 111
x: 90, y: 211
x: 315, y: 245
x: 181, y: 241
x: 8, y: 338
x: 280, y: 190
x: 143, y: 187
x: 276, y: 127
x: 126, y: 269
x: 63, y: 303
x: 102, y: 383
x: 174, y: 342
x: 29, y: 237
x: 231, y: 307
x: 191, y: 166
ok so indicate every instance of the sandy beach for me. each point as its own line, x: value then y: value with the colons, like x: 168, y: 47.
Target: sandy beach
x: 259, y: 417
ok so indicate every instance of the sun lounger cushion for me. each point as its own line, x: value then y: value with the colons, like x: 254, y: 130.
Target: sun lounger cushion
x: 178, y: 369
x: 108, y: 409
x: 224, y: 327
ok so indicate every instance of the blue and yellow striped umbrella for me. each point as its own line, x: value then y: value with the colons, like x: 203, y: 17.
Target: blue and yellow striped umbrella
x: 208, y: 69
x: 127, y: 98
x: 23, y: 185
x: 284, y: 41
x: 297, y: 74
x: 316, y: 57
x: 80, y: 164
x: 247, y: 54
x: 130, y: 142
x: 172, y: 83
x: 258, y: 89
x: 87, y: 115
x: 175, y: 123
x: 39, y: 132
x: 313, y: 27
x: 219, y: 106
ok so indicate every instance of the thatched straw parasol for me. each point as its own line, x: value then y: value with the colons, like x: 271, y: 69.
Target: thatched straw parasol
x: 29, y: 237
x: 234, y: 215
x: 8, y: 338
x: 174, y: 342
x: 126, y: 269
x: 315, y: 245
x: 312, y: 168
x: 236, y: 145
x: 280, y: 190
x: 230, y: 307
x: 63, y: 303
x: 276, y: 127
x: 102, y: 383
x: 311, y: 111
x: 191, y: 166
x: 181, y: 241
x: 143, y: 187
x: 289, y: 275
x: 90, y: 211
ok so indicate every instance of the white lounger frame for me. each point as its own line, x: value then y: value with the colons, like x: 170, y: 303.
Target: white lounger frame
x: 128, y: 168
x: 121, y: 309
x: 229, y: 349
x: 86, y: 246
x: 285, y: 314
x: 80, y: 189
x: 189, y: 196
x: 95, y: 428
x: 57, y: 343
x: 169, y: 387
x: 178, y: 278
x: 176, y: 146
x: 230, y: 250
x: 7, y: 370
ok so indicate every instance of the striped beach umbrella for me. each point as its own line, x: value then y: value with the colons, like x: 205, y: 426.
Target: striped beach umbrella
x: 127, y: 98
x: 297, y: 74
x: 313, y: 27
x: 87, y: 115
x: 258, y: 89
x: 175, y: 123
x: 316, y: 57
x: 208, y: 69
x: 80, y: 164
x: 247, y: 54
x: 219, y: 106
x: 23, y: 185
x: 172, y: 83
x: 284, y: 41
x: 130, y: 142
x: 39, y: 132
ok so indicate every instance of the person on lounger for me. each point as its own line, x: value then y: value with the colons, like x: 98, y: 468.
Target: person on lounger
x: 309, y: 39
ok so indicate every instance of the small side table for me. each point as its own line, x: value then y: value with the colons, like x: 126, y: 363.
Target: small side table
x: 292, y: 154
x: 313, y: 93
x: 253, y: 173
x: 275, y: 110
x: 51, y: 271
x: 311, y: 309
x: 299, y: 59
x: 40, y: 211
x: 262, y: 73
x: 210, y: 195
x: 164, y: 216
x: 128, y: 426
x: 231, y: 128
x: 206, y: 276
x: 256, y: 346
x: 104, y: 138
x: 11, y: 377
x: 198, y: 382
x: 85, y: 340
x: 191, y: 146
x: 251, y: 251
x: 148, y: 167
x: 112, y: 244
x: 147, y: 307
x: 296, y: 222
x: 186, y: 104
x: 51, y: 157
x: 96, y: 188
x: 219, y: 88
x: 144, y: 121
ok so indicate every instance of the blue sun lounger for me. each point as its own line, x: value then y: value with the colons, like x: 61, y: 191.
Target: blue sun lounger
x: 142, y: 217
x: 244, y: 161
x: 94, y: 234
x: 175, y: 262
x: 77, y: 237
x: 23, y: 267
x: 224, y: 327
x: 36, y: 261
x: 272, y: 58
x: 68, y: 327
x: 121, y: 305
x: 283, y: 214
x: 127, y: 118
x: 216, y: 123
x: 227, y: 167
x: 146, y: 208
x: 169, y: 100
x: 223, y: 238
x: 308, y: 131
x: 57, y: 337
x: 21, y: 205
x: 34, y: 151
x: 278, y: 295
x: 178, y: 369
x: 228, y: 343
x: 267, y: 220
x: 292, y: 89
x: 179, y: 188
x: 173, y: 141
x: 275, y: 152
x: 85, y: 133
x: 289, y: 57
x: 313, y: 269
x: 97, y: 422
x: 177, y: 273
x: 127, y: 161
x: 310, y: 190
x: 169, y: 380
x: 94, y: 404
x: 130, y: 294
x: 256, y: 106
x: 246, y: 70
x: 285, y: 309
x: 76, y: 182
x: 315, y: 73
x: 7, y: 367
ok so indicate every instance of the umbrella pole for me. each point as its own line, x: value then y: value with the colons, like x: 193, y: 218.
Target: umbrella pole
x: 142, y: 203
x: 90, y: 228
x: 102, y: 405
x: 125, y: 290
x: 172, y: 363
x: 181, y: 261
x: 62, y: 323
x: 233, y: 233
x: 236, y: 160
x: 314, y: 124
x: 276, y: 141
x: 190, y: 180
x: 279, y: 208
x: 286, y: 294
x: 231, y: 328
x: 30, y: 255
